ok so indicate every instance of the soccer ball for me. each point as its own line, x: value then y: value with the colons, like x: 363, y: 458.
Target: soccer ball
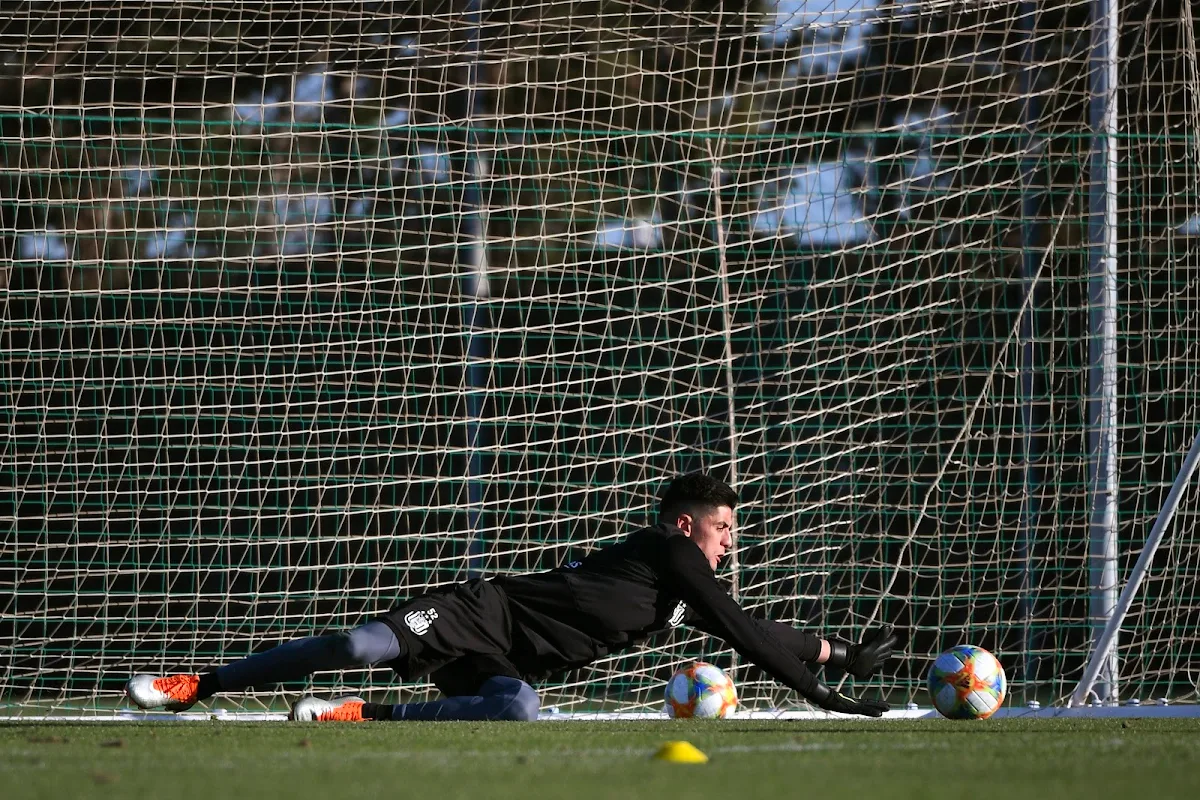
x: 966, y: 682
x: 700, y: 690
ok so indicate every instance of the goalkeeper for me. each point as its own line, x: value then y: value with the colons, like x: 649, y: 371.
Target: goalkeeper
x: 483, y: 642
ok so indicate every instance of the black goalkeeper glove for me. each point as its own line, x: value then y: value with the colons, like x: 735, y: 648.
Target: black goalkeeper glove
x: 844, y: 704
x: 862, y: 659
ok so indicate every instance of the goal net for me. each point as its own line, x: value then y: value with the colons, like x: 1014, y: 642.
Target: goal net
x: 309, y: 307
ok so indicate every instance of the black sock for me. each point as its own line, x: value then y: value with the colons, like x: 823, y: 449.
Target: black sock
x: 380, y: 711
x: 209, y: 685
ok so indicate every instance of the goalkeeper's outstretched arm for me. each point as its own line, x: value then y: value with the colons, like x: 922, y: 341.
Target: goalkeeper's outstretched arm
x: 861, y: 660
x: 690, y: 577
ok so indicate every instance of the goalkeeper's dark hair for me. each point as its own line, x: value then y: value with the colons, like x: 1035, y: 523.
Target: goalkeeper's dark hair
x: 696, y: 493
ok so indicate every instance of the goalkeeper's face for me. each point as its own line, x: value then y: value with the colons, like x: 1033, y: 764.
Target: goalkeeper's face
x: 712, y: 532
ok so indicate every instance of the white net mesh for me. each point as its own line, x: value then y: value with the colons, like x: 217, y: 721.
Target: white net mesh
x: 311, y: 306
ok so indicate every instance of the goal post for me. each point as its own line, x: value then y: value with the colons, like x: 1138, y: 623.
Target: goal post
x: 1106, y: 643
x: 310, y: 307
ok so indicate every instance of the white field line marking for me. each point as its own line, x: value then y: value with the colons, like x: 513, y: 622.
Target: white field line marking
x: 26, y: 758
x: 44, y: 754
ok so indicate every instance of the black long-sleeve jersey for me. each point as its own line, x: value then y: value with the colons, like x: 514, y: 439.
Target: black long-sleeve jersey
x: 618, y: 596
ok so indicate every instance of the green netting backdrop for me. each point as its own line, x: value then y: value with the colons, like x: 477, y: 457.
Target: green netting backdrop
x: 310, y: 306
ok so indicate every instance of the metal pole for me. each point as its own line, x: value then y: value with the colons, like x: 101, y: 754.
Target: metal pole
x: 475, y: 291
x: 1108, y: 638
x: 1030, y: 261
x: 727, y: 325
x: 1102, y: 293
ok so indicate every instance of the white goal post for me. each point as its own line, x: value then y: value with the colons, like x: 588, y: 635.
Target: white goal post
x: 1106, y: 644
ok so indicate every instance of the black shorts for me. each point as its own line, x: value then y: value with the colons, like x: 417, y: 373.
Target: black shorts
x: 465, y: 676
x: 466, y: 622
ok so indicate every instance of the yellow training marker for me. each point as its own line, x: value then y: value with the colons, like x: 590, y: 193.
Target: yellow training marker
x: 680, y: 753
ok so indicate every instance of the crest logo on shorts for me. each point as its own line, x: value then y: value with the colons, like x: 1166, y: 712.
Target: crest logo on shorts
x: 677, y: 615
x: 419, y: 621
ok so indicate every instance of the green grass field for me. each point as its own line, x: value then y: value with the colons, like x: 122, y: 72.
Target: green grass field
x: 1025, y: 759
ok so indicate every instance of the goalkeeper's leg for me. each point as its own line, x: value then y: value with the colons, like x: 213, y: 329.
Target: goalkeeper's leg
x: 415, y: 638
x: 372, y: 643
x: 499, y: 698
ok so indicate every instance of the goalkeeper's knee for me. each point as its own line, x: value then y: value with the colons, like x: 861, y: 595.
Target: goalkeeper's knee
x: 372, y: 643
x: 514, y: 699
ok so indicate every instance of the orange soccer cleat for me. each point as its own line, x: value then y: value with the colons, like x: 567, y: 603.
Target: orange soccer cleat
x: 340, y: 709
x: 173, y: 692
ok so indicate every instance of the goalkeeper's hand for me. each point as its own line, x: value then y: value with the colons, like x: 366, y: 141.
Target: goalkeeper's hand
x: 869, y: 654
x: 845, y: 704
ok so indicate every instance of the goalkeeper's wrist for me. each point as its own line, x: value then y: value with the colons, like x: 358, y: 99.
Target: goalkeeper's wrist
x: 841, y: 653
x: 820, y: 694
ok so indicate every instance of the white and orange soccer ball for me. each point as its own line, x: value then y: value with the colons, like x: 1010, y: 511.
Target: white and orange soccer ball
x: 967, y: 682
x: 700, y: 690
